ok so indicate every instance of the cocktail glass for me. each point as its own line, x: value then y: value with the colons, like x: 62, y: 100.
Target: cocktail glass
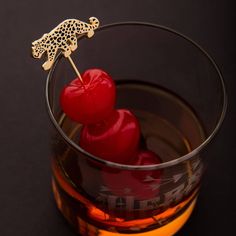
x: 178, y: 95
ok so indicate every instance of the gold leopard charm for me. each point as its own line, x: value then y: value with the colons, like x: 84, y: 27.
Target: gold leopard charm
x: 62, y: 37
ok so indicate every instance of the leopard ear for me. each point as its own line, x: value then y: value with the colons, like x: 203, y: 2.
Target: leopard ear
x: 34, y: 43
x: 45, y: 36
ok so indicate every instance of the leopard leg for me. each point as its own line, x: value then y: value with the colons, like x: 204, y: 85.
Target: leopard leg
x: 73, y: 43
x: 67, y: 50
x: 90, y: 33
x: 51, y: 56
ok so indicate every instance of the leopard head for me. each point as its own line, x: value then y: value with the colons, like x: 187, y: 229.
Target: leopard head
x: 37, y: 50
x: 38, y: 47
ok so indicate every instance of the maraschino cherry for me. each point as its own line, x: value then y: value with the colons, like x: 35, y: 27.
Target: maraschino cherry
x: 115, y: 138
x: 107, y: 133
x: 139, y: 184
x: 90, y: 101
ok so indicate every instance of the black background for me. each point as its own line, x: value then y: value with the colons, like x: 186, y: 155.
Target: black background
x: 26, y: 203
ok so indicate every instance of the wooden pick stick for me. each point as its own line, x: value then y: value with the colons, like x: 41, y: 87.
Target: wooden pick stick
x: 75, y: 68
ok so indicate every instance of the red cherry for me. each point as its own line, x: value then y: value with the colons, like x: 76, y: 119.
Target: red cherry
x: 115, y: 139
x: 91, y: 101
x: 147, y: 158
x: 142, y: 185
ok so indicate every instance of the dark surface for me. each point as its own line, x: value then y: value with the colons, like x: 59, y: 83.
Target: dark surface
x: 26, y: 203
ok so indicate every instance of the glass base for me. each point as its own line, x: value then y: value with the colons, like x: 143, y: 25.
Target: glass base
x: 84, y: 228
x: 166, y: 230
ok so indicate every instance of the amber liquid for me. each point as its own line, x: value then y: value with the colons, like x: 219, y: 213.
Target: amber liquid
x: 163, y: 137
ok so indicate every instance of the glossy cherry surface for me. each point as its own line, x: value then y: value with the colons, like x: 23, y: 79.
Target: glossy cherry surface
x: 141, y: 185
x: 114, y: 139
x: 91, y: 101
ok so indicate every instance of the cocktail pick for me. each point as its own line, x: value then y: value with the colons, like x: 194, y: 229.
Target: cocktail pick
x: 64, y: 38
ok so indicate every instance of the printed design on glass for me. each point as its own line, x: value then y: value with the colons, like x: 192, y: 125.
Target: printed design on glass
x: 170, y: 191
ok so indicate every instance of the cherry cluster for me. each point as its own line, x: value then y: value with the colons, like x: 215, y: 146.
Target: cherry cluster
x: 108, y: 133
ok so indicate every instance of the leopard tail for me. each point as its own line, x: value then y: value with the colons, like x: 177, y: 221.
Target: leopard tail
x: 94, y: 22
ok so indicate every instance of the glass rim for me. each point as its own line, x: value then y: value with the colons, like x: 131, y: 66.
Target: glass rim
x: 163, y: 165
